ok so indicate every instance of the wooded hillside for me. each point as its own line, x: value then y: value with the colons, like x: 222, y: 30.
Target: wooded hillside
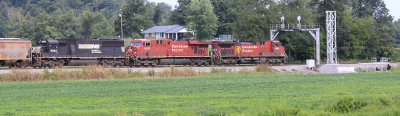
x: 365, y: 28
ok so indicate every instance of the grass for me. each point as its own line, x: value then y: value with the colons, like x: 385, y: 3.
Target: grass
x: 252, y: 94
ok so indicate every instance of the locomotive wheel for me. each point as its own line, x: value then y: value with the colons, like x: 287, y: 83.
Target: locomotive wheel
x: 198, y: 63
x: 205, y: 63
x: 104, y: 63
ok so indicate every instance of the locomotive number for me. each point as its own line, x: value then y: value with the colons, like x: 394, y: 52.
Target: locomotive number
x: 96, y: 52
x: 247, y: 50
x: 53, y: 50
x: 177, y: 50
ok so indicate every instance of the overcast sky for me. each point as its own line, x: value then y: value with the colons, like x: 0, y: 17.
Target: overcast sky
x: 392, y: 5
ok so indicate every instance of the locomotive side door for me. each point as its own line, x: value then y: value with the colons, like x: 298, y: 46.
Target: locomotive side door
x: 262, y: 47
x: 147, y: 46
x: 73, y: 49
x: 209, y: 50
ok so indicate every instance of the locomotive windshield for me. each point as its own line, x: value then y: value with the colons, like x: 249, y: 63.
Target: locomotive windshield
x: 136, y: 43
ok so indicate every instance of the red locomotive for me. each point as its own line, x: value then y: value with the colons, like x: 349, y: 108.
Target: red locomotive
x: 142, y: 52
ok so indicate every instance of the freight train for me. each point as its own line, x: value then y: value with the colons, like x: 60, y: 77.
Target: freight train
x: 140, y: 52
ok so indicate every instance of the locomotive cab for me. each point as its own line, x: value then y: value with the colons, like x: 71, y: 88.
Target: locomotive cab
x: 277, y: 47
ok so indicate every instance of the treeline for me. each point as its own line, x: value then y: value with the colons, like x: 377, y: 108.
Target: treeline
x: 55, y: 19
x: 365, y: 28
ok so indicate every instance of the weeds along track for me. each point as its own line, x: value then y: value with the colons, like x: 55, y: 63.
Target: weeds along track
x: 98, y: 72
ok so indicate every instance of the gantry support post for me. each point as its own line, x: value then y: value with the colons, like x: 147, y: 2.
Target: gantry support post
x: 331, y: 49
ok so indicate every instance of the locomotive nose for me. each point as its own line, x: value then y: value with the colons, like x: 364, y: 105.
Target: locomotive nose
x: 132, y: 51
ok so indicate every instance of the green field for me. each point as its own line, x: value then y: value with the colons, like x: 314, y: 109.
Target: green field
x: 216, y: 95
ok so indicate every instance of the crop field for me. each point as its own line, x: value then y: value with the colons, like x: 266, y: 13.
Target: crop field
x: 276, y: 94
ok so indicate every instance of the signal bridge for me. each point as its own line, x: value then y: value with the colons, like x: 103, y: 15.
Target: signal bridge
x: 314, y: 30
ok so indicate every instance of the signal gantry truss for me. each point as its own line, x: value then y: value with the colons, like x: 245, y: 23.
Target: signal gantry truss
x: 312, y: 29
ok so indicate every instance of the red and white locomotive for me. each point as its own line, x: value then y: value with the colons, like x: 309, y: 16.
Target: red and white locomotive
x: 142, y: 52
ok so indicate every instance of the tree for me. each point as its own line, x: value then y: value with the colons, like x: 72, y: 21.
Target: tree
x: 252, y: 20
x: 95, y: 25
x: 397, y: 31
x: 137, y: 16
x: 360, y: 37
x: 177, y: 16
x: 3, y: 19
x: 201, y: 18
x: 161, y: 13
x: 66, y: 25
x: 222, y: 9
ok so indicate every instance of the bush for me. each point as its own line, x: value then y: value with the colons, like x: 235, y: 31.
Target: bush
x: 287, y: 111
x: 218, y: 70
x: 173, y: 72
x: 264, y: 68
x: 244, y: 71
x: 384, y: 100
x: 17, y: 75
x: 346, y: 104
x: 151, y: 73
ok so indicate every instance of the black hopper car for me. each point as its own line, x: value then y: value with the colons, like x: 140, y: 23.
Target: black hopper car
x: 76, y: 52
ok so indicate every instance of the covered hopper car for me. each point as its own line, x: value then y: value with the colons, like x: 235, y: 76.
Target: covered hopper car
x: 14, y: 52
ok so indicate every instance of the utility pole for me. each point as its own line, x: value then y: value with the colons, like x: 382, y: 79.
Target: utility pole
x: 122, y: 31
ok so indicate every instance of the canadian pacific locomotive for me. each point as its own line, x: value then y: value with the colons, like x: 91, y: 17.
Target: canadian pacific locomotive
x: 143, y: 52
x: 140, y: 52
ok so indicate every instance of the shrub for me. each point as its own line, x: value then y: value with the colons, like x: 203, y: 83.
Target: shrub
x: 346, y: 104
x: 17, y: 75
x: 244, y: 71
x: 384, y: 100
x: 218, y: 70
x: 173, y: 72
x: 287, y: 111
x: 264, y: 68
x: 395, y: 68
x: 151, y: 73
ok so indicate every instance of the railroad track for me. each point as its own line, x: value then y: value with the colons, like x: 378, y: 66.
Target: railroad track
x: 233, y: 68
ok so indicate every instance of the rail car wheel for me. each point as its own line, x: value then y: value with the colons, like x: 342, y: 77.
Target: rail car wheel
x: 18, y: 65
